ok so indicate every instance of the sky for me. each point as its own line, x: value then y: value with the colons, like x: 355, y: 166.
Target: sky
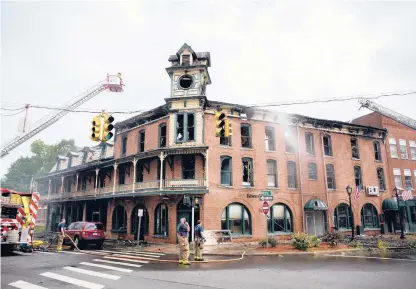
x: 261, y: 51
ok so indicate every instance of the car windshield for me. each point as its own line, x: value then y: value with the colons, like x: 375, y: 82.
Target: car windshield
x: 92, y: 226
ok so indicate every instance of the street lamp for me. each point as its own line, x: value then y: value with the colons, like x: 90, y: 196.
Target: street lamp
x: 349, y: 192
x: 396, y: 192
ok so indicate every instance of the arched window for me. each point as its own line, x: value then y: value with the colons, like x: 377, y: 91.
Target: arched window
x: 144, y: 224
x: 343, y: 216
x: 119, y: 218
x: 280, y: 219
x: 236, y: 218
x: 369, y: 216
x: 161, y: 220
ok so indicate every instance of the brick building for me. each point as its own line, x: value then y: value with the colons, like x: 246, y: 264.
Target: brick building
x: 163, y: 157
x: 401, y: 160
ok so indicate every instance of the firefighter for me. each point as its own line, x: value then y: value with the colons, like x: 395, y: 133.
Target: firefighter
x: 182, y: 233
x: 61, y: 234
x: 199, y: 241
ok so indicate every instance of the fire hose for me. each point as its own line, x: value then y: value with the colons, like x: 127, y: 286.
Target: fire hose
x: 147, y: 259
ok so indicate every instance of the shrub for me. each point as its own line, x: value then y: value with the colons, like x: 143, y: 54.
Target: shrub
x: 356, y: 244
x: 315, y: 241
x: 272, y: 242
x: 301, y: 242
x: 381, y: 245
x: 333, y: 238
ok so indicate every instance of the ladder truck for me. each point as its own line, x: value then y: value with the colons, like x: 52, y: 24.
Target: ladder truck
x: 113, y: 83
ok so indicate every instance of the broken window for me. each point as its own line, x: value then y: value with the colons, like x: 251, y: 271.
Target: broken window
x: 397, y: 178
x: 179, y: 127
x: 182, y: 121
x: 185, y: 81
x: 408, y: 179
x: 83, y: 184
x: 158, y: 170
x: 162, y: 135
x: 188, y: 166
x: 119, y: 219
x: 186, y: 60
x: 381, y: 181
x: 124, y: 147
x: 269, y: 138
x: 377, y: 151
x: 161, y: 220
x: 354, y: 149
x: 310, y: 144
x: 312, y: 173
x: 327, y: 145
x: 271, y: 173
x: 412, y: 145
x: 121, y: 175
x: 68, y: 184
x: 142, y: 135
x: 357, y: 176
x: 245, y: 136
x: 291, y: 175
x: 393, y: 148
x: 226, y: 172
x: 403, y: 149
x: 69, y: 161
x: 190, y: 125
x: 102, y: 180
x: 247, y: 172
x: 330, y: 176
x: 139, y: 173
x: 225, y: 141
x: 290, y: 140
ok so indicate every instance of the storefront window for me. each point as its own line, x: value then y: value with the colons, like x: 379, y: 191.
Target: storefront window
x: 236, y: 218
x: 343, y: 216
x: 119, y: 219
x: 369, y: 216
x: 161, y: 220
x: 280, y: 219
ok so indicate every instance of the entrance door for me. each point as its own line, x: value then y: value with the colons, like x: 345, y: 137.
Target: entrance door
x: 95, y: 217
x: 188, y: 216
x: 315, y: 223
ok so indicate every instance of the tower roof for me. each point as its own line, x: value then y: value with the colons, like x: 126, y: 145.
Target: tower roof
x: 195, y: 55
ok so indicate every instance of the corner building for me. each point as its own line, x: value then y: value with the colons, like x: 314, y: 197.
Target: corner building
x: 167, y: 156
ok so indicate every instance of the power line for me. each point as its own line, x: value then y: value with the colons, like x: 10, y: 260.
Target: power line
x: 16, y: 113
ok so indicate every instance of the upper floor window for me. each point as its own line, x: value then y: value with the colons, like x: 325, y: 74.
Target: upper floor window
x: 58, y: 164
x: 162, y: 135
x: 185, y: 127
x: 226, y: 170
x: 310, y: 144
x: 377, y: 151
x: 381, y: 180
x: 327, y: 145
x: 290, y: 141
x: 68, y: 184
x: 248, y: 172
x: 269, y: 138
x: 312, y: 172
x: 403, y: 149
x: 186, y: 59
x: 393, y: 148
x: 188, y: 166
x: 291, y: 175
x: 397, y: 178
x: 158, y: 170
x: 246, y: 136
x: 354, y: 149
x: 121, y: 175
x: 408, y: 179
x: 139, y: 172
x: 358, y: 176
x: 271, y: 173
x: 412, y: 145
x: 142, y: 135
x: 123, y: 146
x: 69, y: 161
x: 330, y: 177
x: 225, y: 141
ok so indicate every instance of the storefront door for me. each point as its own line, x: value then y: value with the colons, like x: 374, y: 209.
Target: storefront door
x: 315, y: 223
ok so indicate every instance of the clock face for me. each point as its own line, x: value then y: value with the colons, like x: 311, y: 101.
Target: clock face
x: 186, y: 81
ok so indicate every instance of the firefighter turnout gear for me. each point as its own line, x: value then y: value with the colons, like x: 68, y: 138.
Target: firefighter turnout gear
x: 199, y: 241
x: 61, y: 234
x: 182, y: 233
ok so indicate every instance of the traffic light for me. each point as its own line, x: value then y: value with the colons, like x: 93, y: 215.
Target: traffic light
x: 219, y: 124
x: 107, y: 128
x: 96, y: 128
x: 228, y: 128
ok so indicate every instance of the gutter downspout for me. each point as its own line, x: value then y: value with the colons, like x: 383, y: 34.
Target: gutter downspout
x: 325, y: 180
x: 300, y: 179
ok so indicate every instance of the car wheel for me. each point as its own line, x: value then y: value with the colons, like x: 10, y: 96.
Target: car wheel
x: 99, y: 245
x: 78, y: 243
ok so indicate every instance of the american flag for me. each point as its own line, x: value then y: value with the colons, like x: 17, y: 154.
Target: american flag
x: 357, y: 192
x: 407, y: 195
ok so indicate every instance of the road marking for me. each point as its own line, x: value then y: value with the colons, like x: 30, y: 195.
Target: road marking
x: 92, y: 273
x: 368, y: 257
x: 107, y: 267
x: 128, y: 260
x: 74, y: 281
x: 50, y: 253
x: 75, y: 253
x: 132, y: 254
x: 117, y: 263
x: 145, y: 252
x: 25, y: 285
x: 144, y: 258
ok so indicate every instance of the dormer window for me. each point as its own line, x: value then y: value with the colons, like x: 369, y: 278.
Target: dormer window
x: 186, y: 59
x: 69, y: 161
x: 58, y: 164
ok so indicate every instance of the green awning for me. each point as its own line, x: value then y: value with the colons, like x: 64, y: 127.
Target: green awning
x: 315, y: 205
x: 389, y: 205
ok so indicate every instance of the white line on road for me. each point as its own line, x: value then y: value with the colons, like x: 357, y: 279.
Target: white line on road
x: 124, y: 259
x: 144, y: 252
x: 74, y: 281
x: 70, y: 252
x: 368, y: 257
x: 50, y: 253
x: 117, y: 263
x: 92, y: 273
x: 25, y: 285
x: 107, y: 267
x: 144, y: 258
x: 132, y: 254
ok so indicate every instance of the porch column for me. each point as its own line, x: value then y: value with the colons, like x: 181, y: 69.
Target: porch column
x: 62, y: 184
x: 206, y: 168
x: 114, y: 177
x: 97, y: 170
x: 76, y: 184
x: 49, y: 188
x: 134, y: 173
x: 84, y: 212
x: 162, y: 157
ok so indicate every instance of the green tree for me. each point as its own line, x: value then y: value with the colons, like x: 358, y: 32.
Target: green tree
x: 41, y: 162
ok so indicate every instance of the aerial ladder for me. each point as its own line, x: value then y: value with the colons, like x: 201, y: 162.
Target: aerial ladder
x: 407, y: 121
x: 113, y: 83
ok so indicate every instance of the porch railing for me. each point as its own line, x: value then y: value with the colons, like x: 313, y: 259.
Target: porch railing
x: 146, y: 185
x: 184, y: 183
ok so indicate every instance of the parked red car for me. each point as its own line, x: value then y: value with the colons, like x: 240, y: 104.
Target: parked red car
x: 84, y: 233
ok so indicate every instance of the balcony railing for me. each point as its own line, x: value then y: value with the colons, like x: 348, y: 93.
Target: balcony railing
x: 184, y: 183
x: 147, y: 185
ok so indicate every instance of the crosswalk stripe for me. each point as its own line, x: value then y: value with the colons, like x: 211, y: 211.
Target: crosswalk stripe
x: 50, y: 253
x: 70, y: 252
x: 124, y: 259
x: 145, y: 252
x: 25, y: 285
x: 74, y: 281
x: 141, y: 257
x: 107, y: 267
x: 132, y: 254
x: 117, y: 263
x: 92, y: 273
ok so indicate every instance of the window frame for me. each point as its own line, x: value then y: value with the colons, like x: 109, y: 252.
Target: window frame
x: 247, y: 125
x: 275, y: 174
x: 393, y: 144
x: 185, y: 137
x: 230, y: 172
x: 158, y: 230
x: 328, y: 146
x: 334, y: 187
x: 396, y: 177
x: 408, y: 178
x: 358, y: 176
x: 374, y: 217
x: 349, y: 216
x: 355, y: 154
x: 270, y: 143
x: 251, y: 172
x: 115, y: 216
x: 184, y: 161
x: 309, y: 145
x: 242, y: 220
x: 405, y: 155
x: 379, y: 169
x: 142, y: 140
x: 412, y: 145
x: 289, y: 176
x: 270, y: 227
x: 123, y: 146
x: 290, y: 148
x: 377, y: 151
x: 315, y: 171
x: 162, y: 125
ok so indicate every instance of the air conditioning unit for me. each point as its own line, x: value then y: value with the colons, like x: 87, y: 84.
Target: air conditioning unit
x: 372, y: 191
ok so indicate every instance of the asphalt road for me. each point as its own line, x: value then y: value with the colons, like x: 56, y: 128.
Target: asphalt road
x: 69, y: 270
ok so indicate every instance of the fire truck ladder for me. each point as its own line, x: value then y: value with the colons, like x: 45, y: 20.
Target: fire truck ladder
x: 113, y: 83
x: 407, y: 121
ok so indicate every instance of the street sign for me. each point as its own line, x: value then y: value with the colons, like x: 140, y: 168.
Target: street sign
x: 266, y: 193
x: 265, y: 207
x: 140, y: 213
x: 266, y: 198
